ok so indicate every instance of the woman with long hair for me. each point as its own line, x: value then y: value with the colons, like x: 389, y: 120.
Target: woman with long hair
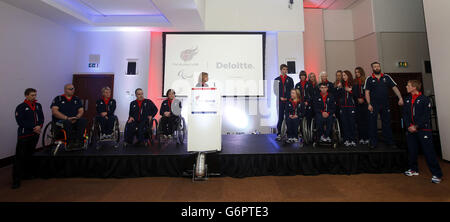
x: 311, y: 92
x: 362, y: 113
x: 293, y: 114
x: 347, y: 112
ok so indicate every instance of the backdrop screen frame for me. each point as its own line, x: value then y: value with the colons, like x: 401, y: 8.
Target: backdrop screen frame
x: 263, y: 35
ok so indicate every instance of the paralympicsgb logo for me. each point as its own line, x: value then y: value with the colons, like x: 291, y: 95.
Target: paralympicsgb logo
x: 188, y: 54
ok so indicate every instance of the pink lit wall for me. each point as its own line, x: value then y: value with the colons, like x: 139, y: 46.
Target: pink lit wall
x: 314, y: 41
x: 155, y: 76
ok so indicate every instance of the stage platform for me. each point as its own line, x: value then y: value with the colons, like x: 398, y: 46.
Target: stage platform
x: 241, y: 156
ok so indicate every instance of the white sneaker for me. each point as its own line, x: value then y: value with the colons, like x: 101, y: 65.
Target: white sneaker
x: 278, y: 137
x: 353, y: 144
x: 411, y: 173
x: 346, y: 143
x: 323, y: 139
x: 436, y: 179
x: 328, y: 139
x: 366, y: 142
x: 295, y: 140
x: 361, y: 141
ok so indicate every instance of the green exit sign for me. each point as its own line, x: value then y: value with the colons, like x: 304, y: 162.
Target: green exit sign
x: 403, y: 64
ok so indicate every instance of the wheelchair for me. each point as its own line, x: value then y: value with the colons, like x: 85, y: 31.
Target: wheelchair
x: 95, y: 136
x: 151, y: 133
x: 179, y: 134
x: 336, y: 136
x: 55, y: 135
x: 302, y: 131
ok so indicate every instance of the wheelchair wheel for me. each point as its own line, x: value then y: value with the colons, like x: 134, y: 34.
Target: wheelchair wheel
x: 94, y: 135
x: 312, y: 131
x: 182, y: 131
x: 48, y: 138
x: 152, y: 131
x: 117, y: 130
x: 305, y: 131
x: 283, y: 132
x: 337, y: 132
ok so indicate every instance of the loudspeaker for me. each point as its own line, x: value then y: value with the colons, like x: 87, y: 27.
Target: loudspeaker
x: 131, y: 68
x: 428, y: 67
x: 291, y: 67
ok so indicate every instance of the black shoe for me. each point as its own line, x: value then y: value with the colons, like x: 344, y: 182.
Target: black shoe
x: 15, y: 185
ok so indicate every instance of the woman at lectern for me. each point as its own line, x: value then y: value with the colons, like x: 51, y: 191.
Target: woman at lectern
x: 202, y: 80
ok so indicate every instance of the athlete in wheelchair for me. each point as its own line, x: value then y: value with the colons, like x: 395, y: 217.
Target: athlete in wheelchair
x: 140, y: 121
x: 294, y: 112
x: 67, y: 127
x: 105, y: 126
x: 325, y: 126
x: 171, y: 125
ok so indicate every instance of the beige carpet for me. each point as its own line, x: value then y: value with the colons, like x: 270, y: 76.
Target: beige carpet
x: 364, y: 187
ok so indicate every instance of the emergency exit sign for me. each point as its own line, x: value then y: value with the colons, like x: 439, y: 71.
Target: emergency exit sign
x: 403, y: 64
x: 93, y: 65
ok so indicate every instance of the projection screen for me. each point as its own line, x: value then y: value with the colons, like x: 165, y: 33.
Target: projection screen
x: 234, y: 62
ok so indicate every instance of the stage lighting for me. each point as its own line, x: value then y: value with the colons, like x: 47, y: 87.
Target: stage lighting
x: 236, y: 117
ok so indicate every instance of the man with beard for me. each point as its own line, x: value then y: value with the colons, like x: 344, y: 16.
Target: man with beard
x: 377, y: 95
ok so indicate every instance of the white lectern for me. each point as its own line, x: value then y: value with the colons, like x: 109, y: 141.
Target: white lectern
x: 204, y: 120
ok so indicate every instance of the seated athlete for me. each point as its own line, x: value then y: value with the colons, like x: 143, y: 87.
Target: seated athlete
x: 141, y: 113
x: 105, y: 113
x: 169, y: 120
x: 324, y: 108
x: 294, y: 113
x: 67, y: 110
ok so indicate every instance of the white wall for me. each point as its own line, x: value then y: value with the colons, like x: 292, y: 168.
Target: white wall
x: 366, y: 52
x: 339, y: 41
x: 253, y: 15
x: 437, y: 17
x: 34, y: 53
x: 114, y: 49
x: 410, y: 47
x: 340, y: 56
x: 290, y: 48
x: 338, y: 24
x: 363, y: 21
x: 399, y: 16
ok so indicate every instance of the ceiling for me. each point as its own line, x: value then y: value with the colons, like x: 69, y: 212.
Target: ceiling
x: 86, y: 15
x: 155, y: 15
x: 329, y: 4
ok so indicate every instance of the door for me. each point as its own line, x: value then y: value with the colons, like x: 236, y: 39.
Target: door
x: 88, y: 89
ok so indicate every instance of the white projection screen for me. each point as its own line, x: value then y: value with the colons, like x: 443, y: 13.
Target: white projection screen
x: 234, y: 61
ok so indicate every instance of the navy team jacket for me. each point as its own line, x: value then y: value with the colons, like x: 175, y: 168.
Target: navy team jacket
x: 284, y: 90
x: 295, y: 109
x: 146, y: 109
x: 329, y: 105
x: 358, y: 91
x: 311, y: 92
x: 345, y: 99
x: 28, y: 116
x: 104, y: 105
x: 417, y: 112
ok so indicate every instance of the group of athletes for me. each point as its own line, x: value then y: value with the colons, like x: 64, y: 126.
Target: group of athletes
x: 357, y: 101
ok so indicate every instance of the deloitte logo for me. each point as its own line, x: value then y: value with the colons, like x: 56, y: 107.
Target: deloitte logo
x: 236, y: 65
